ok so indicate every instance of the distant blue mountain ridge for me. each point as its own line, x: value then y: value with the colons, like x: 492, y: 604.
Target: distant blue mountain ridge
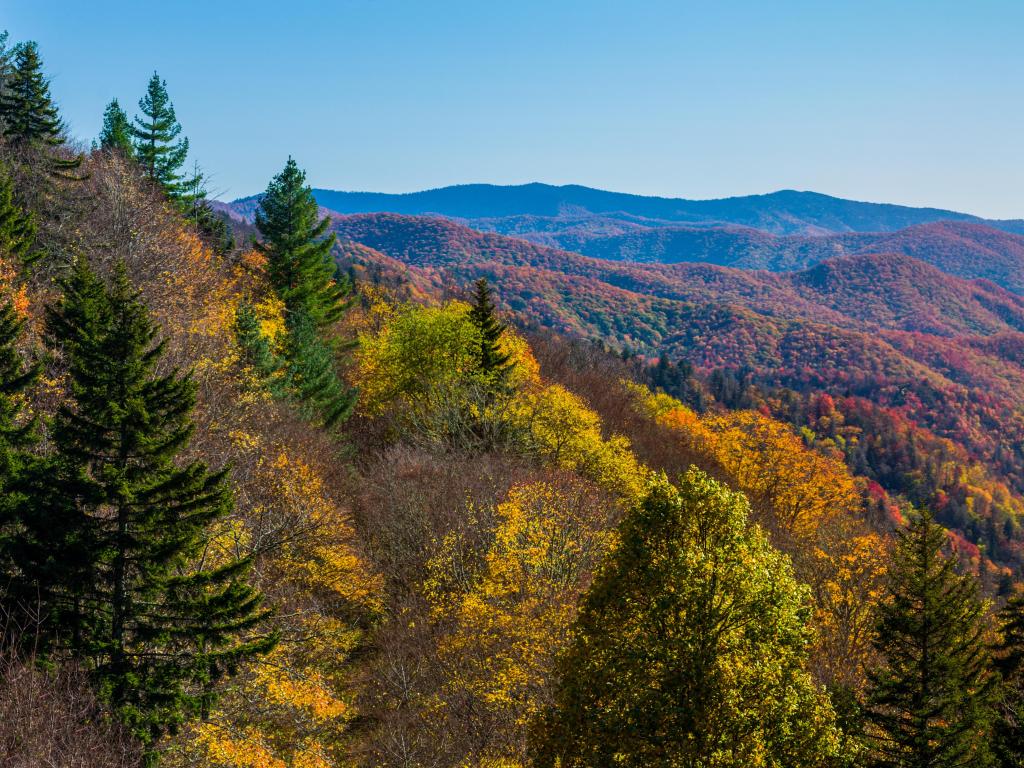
x: 781, y: 231
x: 786, y: 212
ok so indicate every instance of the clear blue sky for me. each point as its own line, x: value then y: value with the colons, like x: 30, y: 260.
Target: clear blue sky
x: 902, y: 101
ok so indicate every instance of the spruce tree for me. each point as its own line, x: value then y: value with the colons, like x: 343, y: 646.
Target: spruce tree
x: 118, y: 524
x: 116, y: 134
x: 931, y: 702
x: 1008, y: 734
x: 160, y: 156
x: 690, y: 648
x: 298, y: 249
x: 27, y: 113
x: 312, y: 375
x: 492, y: 361
x: 17, y: 227
x: 16, y: 434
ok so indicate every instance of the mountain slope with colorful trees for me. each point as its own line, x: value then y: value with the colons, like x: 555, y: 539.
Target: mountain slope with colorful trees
x: 423, y: 525
x: 937, y: 353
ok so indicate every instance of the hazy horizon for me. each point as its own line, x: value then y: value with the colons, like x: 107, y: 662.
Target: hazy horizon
x: 228, y: 199
x: 919, y: 104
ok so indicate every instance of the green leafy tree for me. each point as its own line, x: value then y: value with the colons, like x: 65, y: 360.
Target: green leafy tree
x: 117, y: 130
x: 119, y: 527
x: 28, y: 116
x: 690, y: 647
x: 17, y: 227
x: 155, y: 136
x: 1008, y: 741
x: 931, y: 703
x: 298, y: 249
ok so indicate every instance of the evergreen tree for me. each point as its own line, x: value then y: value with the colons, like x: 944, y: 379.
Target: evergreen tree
x: 255, y: 347
x: 160, y: 156
x: 16, y: 434
x: 298, y: 253
x: 117, y: 130
x: 931, y: 702
x: 116, y: 529
x: 27, y: 113
x: 690, y: 648
x: 492, y: 360
x: 1008, y: 741
x: 17, y: 227
x: 312, y: 374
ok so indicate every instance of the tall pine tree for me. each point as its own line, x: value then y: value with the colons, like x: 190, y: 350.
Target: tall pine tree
x: 155, y: 134
x: 28, y: 112
x: 118, y: 525
x: 298, y: 249
x: 117, y: 130
x: 16, y: 434
x: 28, y: 116
x: 931, y: 703
x: 303, y: 274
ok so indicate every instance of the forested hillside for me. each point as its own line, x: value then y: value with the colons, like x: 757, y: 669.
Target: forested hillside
x: 883, y: 332
x: 270, y: 499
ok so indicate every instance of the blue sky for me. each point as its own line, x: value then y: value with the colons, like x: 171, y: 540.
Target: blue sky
x: 900, y: 101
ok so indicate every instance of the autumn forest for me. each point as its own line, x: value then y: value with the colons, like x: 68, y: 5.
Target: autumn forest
x: 285, y: 484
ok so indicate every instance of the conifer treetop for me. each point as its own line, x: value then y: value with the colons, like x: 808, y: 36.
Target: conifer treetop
x: 484, y: 317
x: 155, y: 134
x: 117, y: 129
x: 298, y: 248
x: 931, y: 703
x: 26, y: 107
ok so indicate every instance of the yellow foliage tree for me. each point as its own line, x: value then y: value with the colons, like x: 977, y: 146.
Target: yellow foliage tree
x: 513, y: 620
x: 810, y: 504
x: 561, y: 427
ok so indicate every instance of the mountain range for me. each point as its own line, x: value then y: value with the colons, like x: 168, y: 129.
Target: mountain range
x: 783, y: 212
x: 782, y: 231
x: 927, y: 319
